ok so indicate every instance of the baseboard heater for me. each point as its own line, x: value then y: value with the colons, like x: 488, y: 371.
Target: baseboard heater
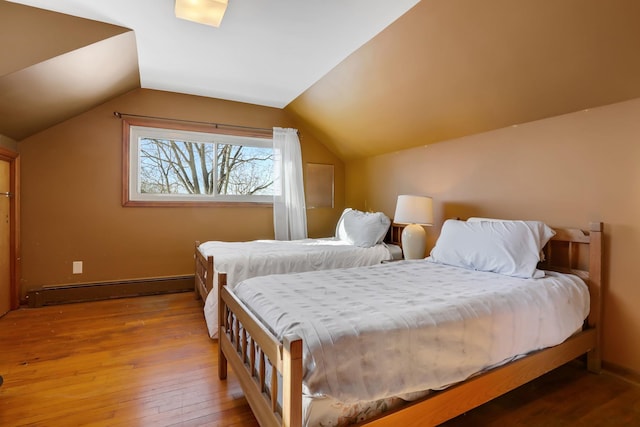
x: 64, y: 294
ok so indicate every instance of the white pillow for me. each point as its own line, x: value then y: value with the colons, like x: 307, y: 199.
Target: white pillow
x: 362, y: 229
x: 541, y: 230
x: 506, y: 247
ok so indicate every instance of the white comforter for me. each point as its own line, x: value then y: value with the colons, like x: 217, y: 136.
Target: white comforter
x: 402, y: 327
x: 242, y: 260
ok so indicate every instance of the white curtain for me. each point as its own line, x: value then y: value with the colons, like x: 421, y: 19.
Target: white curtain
x: 289, y: 210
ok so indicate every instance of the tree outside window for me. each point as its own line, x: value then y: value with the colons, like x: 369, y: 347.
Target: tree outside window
x: 184, y: 166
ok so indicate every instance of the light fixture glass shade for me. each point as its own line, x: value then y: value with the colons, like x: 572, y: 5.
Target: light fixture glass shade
x: 415, y: 211
x: 208, y: 12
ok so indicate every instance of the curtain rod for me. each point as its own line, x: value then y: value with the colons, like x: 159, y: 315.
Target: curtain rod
x: 216, y: 125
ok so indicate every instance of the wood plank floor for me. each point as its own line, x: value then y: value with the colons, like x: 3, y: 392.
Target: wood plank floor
x: 144, y: 361
x: 148, y: 362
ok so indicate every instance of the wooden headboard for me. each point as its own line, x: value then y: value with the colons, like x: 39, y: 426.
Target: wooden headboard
x: 579, y: 252
x: 575, y: 251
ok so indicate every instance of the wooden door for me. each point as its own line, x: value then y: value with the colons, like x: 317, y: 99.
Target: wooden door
x: 5, y: 237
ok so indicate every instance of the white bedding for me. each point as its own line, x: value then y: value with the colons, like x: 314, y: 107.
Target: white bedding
x: 242, y: 260
x: 397, y: 328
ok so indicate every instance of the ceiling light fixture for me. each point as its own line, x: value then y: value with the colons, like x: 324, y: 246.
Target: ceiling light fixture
x: 208, y: 12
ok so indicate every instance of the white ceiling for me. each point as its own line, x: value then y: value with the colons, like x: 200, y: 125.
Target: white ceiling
x: 264, y: 52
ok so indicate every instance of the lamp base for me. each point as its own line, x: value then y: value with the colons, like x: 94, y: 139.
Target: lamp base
x: 414, y: 241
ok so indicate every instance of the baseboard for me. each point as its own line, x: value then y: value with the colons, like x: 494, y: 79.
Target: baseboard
x: 64, y: 294
x: 625, y: 373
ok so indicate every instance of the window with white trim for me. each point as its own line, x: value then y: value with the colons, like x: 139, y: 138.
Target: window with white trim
x: 172, y: 166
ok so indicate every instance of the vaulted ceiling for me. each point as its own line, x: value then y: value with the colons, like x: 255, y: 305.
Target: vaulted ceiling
x: 265, y: 53
x: 450, y: 68
x: 55, y: 66
x: 443, y: 69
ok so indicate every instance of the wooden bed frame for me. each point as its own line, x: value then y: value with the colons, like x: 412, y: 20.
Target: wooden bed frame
x: 204, y: 271
x: 242, y: 336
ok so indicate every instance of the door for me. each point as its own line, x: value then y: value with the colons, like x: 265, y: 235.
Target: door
x: 5, y: 237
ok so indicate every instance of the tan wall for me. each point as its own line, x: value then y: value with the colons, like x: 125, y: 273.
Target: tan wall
x: 567, y: 171
x: 71, y: 197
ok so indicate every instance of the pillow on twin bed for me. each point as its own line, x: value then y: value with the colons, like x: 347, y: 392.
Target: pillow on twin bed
x: 541, y: 230
x: 506, y: 247
x: 362, y: 229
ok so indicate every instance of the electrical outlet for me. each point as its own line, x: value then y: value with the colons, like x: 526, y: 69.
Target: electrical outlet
x: 77, y: 267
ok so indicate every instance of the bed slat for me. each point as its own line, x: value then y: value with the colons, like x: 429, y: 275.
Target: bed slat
x: 261, y: 372
x: 252, y: 355
x: 274, y: 390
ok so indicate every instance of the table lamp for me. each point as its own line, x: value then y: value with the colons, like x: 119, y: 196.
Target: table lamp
x: 415, y: 211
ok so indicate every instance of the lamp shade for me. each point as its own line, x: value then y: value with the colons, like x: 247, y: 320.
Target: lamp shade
x: 208, y: 12
x: 414, y: 210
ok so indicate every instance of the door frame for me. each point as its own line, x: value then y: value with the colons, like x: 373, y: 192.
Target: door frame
x: 14, y: 230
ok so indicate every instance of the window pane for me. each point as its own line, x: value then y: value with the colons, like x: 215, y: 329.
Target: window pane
x: 244, y: 170
x: 175, y: 167
x: 189, y: 167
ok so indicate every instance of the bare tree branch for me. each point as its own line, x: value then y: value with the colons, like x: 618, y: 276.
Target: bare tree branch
x: 184, y: 167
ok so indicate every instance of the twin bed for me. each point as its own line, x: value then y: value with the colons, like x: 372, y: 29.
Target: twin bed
x: 414, y: 342
x: 361, y: 239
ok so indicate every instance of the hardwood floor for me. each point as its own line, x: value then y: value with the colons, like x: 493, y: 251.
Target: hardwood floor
x: 568, y: 396
x: 144, y: 361
x: 148, y: 361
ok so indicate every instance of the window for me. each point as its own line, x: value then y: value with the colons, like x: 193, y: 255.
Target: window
x: 181, y: 166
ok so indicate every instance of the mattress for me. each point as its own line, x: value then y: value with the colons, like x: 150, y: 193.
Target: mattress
x: 400, y: 329
x: 242, y: 260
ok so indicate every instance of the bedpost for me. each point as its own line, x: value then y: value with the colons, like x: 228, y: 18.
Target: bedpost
x: 292, y: 381
x: 594, y: 360
x: 222, y: 323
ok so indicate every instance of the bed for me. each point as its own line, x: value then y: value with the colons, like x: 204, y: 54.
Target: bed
x: 253, y: 343
x: 361, y: 238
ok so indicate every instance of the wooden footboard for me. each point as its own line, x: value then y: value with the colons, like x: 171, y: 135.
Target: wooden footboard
x: 249, y: 347
x: 203, y: 273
